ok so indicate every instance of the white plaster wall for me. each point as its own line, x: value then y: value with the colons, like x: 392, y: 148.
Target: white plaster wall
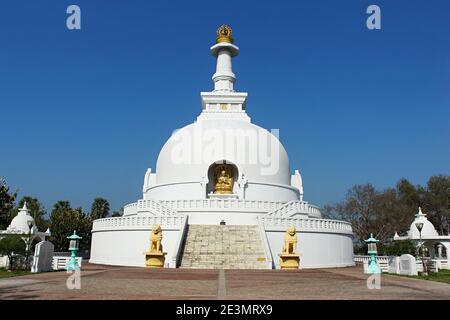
x: 271, y: 192
x: 189, y: 152
x: 179, y: 191
x: 230, y: 218
x: 318, y: 250
x: 193, y: 190
x: 127, y: 247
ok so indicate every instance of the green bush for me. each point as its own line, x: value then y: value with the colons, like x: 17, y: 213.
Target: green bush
x: 397, y: 248
x: 11, y: 246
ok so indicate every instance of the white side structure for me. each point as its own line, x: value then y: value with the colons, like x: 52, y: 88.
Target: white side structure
x: 43, y: 257
x: 437, y: 246
x: 21, y: 223
x: 181, y: 190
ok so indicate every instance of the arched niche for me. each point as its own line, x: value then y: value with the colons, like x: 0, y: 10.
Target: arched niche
x: 440, y: 250
x: 215, y: 169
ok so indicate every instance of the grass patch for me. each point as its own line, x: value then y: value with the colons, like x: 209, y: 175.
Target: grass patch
x: 441, y: 276
x: 5, y: 274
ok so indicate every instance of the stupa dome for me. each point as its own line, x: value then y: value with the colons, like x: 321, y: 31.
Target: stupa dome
x: 20, y: 223
x: 190, y: 151
x: 428, y: 229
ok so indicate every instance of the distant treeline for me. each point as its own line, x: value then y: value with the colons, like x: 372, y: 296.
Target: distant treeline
x: 384, y: 212
x: 63, y: 219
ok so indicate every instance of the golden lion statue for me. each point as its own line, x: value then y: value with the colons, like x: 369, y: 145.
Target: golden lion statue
x: 155, y: 239
x: 290, y: 241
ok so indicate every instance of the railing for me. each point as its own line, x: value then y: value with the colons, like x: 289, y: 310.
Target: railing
x: 382, y: 261
x: 155, y: 207
x: 138, y: 222
x: 293, y: 207
x: 433, y: 265
x: 307, y: 224
x: 186, y: 205
x: 59, y: 262
x: 179, y: 245
x: 361, y: 259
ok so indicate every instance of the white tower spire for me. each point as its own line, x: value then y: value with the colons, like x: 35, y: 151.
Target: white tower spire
x: 224, y: 50
x: 224, y: 99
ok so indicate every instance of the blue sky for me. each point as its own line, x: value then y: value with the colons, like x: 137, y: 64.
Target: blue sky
x: 85, y: 113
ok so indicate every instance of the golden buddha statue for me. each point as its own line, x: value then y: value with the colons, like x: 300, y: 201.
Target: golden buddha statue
x: 224, y: 183
x: 224, y: 34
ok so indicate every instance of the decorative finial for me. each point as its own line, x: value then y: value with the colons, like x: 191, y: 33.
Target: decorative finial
x: 420, y: 213
x: 224, y: 34
x: 24, y: 206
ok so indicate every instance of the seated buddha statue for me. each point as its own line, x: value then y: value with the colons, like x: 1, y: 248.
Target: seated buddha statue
x: 224, y: 183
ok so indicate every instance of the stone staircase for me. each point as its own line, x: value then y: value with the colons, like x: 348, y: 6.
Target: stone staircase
x: 223, y: 247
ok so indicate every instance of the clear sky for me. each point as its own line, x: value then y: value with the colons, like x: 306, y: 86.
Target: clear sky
x: 84, y: 113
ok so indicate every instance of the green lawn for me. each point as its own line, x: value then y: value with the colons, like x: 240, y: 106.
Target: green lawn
x: 5, y: 274
x: 441, y: 276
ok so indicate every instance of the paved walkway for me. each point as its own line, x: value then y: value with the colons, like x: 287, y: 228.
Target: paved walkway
x: 106, y: 282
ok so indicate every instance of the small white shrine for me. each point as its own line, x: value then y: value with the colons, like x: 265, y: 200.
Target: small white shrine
x: 437, y: 246
x: 23, y: 223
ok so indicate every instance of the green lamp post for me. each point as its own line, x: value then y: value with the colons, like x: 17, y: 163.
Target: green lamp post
x: 73, y: 248
x: 372, y: 252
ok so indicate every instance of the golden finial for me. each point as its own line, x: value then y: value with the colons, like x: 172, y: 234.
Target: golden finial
x: 224, y: 34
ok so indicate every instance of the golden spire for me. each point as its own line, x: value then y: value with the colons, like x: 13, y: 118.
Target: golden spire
x: 224, y: 34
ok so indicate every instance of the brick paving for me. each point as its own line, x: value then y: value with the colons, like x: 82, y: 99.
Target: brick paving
x: 107, y: 282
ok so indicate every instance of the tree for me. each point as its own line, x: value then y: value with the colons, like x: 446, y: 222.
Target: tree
x: 391, y: 215
x: 391, y: 210
x: 117, y: 213
x: 64, y: 220
x: 7, y: 201
x: 329, y: 212
x: 436, y: 202
x: 370, y: 211
x: 12, y: 245
x: 408, y: 194
x: 398, y: 247
x: 99, y: 209
x: 358, y: 208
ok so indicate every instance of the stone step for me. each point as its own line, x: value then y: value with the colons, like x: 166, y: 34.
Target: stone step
x: 223, y: 247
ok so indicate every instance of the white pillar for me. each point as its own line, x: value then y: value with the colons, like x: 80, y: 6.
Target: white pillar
x: 242, y: 181
x: 224, y: 77
x: 439, y: 247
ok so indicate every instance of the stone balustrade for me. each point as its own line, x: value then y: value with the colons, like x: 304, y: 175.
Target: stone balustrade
x: 306, y: 224
x: 170, y: 207
x: 433, y: 265
x: 362, y: 259
x: 143, y: 222
x: 295, y: 207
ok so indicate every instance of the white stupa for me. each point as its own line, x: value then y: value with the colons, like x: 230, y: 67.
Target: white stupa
x: 438, y: 246
x: 222, y: 169
x: 23, y: 224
